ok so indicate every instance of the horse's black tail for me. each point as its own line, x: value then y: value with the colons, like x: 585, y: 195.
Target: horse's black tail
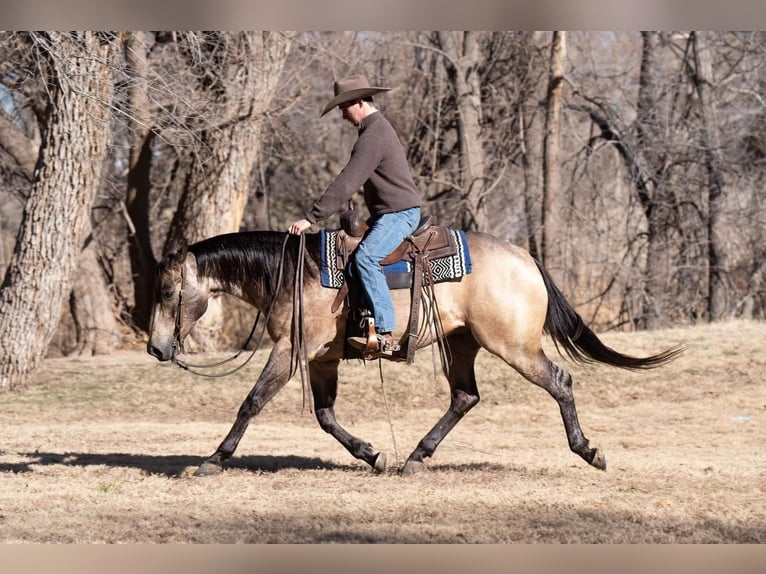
x: 582, y: 345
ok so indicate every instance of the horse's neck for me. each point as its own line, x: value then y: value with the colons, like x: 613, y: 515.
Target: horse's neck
x: 247, y: 279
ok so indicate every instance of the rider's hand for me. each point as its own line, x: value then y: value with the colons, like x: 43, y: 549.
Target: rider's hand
x: 299, y: 226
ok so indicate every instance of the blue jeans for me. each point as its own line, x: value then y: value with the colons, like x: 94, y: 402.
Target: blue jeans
x: 386, y: 232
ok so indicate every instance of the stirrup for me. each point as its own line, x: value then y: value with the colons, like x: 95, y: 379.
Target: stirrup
x: 374, y: 345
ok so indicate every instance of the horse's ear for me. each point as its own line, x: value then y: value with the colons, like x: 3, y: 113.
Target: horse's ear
x: 177, y: 249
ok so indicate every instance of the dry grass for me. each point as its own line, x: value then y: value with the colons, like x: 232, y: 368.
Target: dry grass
x: 102, y: 450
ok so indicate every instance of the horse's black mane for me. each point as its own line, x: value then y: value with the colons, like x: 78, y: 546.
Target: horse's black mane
x: 254, y: 257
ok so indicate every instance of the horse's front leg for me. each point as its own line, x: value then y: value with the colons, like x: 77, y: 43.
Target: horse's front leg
x: 274, y: 376
x: 464, y: 395
x: 324, y: 386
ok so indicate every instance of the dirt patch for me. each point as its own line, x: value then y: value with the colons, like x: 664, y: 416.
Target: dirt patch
x: 102, y: 450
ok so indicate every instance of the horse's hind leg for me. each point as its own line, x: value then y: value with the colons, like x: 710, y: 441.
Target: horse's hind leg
x: 464, y: 395
x: 543, y: 372
x: 324, y: 386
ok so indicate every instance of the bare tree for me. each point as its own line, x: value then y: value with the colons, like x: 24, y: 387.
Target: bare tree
x: 644, y: 144
x: 462, y: 59
x: 719, y: 279
x: 551, y: 245
x: 75, y: 143
x: 529, y: 136
x: 241, y: 85
x: 684, y: 141
x: 648, y: 161
x: 138, y: 197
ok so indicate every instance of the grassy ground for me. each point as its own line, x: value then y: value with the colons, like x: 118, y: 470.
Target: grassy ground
x: 102, y: 450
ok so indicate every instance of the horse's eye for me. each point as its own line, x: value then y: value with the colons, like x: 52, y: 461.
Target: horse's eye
x: 167, y: 295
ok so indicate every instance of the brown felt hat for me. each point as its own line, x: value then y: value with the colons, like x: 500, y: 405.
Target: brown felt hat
x: 351, y: 88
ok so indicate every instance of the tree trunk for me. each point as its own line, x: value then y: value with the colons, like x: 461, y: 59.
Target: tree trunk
x: 216, y: 195
x: 463, y: 59
x: 529, y: 141
x: 55, y: 220
x: 552, y: 221
x: 137, y: 200
x: 719, y: 280
x: 97, y: 329
x: 650, y: 169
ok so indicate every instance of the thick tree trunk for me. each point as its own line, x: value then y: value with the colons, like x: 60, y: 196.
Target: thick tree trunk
x: 56, y: 216
x: 219, y: 183
x: 97, y: 329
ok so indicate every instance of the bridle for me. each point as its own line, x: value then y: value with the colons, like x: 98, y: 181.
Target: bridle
x: 299, y: 358
x: 177, y: 345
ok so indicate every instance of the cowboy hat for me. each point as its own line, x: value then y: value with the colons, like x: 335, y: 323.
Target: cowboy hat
x: 351, y: 88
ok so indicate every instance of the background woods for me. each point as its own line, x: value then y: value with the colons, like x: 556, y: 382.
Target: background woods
x: 632, y: 163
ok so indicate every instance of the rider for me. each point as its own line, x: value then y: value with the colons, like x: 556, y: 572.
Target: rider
x: 377, y: 164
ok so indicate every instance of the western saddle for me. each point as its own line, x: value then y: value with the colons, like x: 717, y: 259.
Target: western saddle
x: 426, y: 242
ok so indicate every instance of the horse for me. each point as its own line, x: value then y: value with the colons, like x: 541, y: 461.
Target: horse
x: 505, y: 305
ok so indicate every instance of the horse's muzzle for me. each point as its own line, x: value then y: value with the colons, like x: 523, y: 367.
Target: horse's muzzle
x: 159, y: 353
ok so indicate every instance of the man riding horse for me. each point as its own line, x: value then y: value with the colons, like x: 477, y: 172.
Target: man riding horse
x: 379, y: 165
x: 504, y: 305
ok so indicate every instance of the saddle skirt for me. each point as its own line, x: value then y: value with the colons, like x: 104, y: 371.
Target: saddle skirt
x: 447, y: 250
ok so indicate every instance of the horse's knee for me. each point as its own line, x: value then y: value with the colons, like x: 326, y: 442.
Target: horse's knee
x: 251, y: 406
x: 462, y: 402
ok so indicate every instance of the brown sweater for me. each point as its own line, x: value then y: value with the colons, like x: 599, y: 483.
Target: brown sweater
x: 379, y: 165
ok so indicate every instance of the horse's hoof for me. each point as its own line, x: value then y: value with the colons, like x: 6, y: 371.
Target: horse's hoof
x: 380, y: 463
x: 412, y: 467
x: 208, y: 469
x: 599, y: 460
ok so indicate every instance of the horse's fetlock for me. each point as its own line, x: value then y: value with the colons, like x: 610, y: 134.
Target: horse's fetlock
x: 426, y: 448
x: 582, y: 447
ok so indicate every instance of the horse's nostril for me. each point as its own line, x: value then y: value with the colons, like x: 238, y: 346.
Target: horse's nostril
x: 154, y: 351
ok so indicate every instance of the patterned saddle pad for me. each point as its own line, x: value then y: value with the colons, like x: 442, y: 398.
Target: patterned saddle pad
x: 442, y: 269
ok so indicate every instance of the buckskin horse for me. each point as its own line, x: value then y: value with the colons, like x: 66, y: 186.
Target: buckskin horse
x: 504, y: 305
